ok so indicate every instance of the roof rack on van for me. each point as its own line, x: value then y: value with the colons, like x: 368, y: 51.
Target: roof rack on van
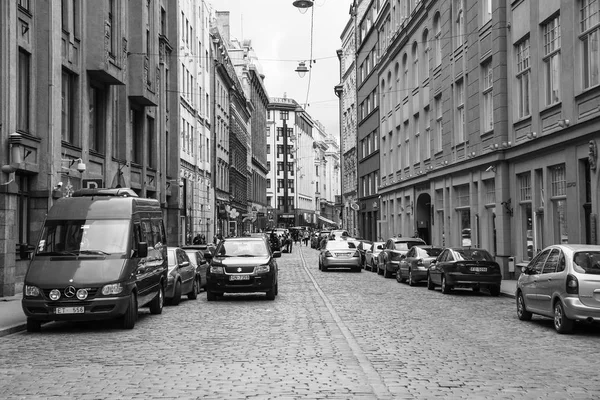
x: 116, y: 192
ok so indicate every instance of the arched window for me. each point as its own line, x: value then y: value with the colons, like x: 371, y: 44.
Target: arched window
x: 426, y: 54
x: 390, y: 92
x: 415, y: 56
x: 382, y: 103
x: 405, y: 81
x: 398, y: 88
x: 437, y: 28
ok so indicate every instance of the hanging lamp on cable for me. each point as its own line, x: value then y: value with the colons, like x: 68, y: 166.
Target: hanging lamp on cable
x: 303, y: 5
x: 302, y: 69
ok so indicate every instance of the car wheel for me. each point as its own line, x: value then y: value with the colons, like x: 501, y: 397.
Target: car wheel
x: 276, y: 288
x: 494, y: 290
x: 271, y: 294
x: 430, y: 285
x: 33, y: 325
x: 156, y: 305
x: 373, y: 266
x: 176, y: 294
x: 211, y: 296
x: 128, y: 319
x: 411, y: 282
x: 522, y: 312
x: 562, y: 323
x: 193, y: 295
x: 386, y: 273
x: 379, y: 271
x: 445, y: 287
x: 323, y: 268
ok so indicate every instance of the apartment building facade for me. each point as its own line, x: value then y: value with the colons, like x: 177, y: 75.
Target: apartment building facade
x: 489, y: 122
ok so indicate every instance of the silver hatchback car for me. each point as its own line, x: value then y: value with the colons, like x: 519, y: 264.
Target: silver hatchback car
x: 561, y: 282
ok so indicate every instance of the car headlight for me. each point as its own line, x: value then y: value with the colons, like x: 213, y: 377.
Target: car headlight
x: 32, y: 291
x: 113, y: 288
x: 262, y: 269
x: 54, y: 294
x: 217, y: 270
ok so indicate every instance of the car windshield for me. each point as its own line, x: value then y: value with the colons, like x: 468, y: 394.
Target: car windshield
x: 84, y: 236
x: 246, y: 248
x: 587, y: 262
x: 474, y: 255
x: 341, y: 244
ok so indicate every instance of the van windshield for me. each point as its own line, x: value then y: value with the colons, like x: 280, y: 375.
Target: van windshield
x: 84, y: 237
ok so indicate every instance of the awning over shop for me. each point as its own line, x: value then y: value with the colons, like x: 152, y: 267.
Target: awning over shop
x: 326, y: 220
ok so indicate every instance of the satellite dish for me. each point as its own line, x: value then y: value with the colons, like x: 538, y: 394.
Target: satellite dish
x: 355, y: 206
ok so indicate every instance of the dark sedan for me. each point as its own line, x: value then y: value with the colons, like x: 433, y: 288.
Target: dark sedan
x: 242, y: 265
x: 465, y: 268
x: 415, y: 264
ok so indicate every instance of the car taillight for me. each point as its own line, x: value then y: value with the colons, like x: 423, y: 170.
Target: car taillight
x: 572, y: 284
x: 356, y: 254
x: 420, y: 262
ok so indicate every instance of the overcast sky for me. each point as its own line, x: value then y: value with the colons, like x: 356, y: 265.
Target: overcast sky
x: 281, y: 37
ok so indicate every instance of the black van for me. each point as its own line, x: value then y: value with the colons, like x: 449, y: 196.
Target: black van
x: 101, y: 255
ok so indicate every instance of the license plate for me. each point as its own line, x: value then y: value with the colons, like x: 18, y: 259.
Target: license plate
x: 70, y: 310
x: 239, y: 278
x: 479, y: 269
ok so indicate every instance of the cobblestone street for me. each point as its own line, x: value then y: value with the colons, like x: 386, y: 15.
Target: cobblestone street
x: 328, y: 335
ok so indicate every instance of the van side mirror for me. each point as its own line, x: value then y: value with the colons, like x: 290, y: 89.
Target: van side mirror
x: 142, y: 250
x: 25, y: 250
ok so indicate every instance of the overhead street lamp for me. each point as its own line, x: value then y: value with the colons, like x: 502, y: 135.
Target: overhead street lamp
x: 303, y: 5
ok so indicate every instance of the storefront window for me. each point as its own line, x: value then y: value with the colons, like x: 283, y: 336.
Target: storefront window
x: 465, y: 226
x: 527, y: 224
x: 560, y: 221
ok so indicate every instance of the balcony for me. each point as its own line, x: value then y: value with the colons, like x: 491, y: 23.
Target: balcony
x: 106, y: 46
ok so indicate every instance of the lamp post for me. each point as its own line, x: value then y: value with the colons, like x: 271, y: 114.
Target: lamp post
x: 284, y: 115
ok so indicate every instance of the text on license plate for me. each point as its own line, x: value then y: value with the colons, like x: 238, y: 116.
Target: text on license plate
x: 70, y: 310
x: 239, y: 278
x: 479, y: 269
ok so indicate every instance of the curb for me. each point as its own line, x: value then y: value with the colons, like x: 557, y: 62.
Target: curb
x: 12, y: 329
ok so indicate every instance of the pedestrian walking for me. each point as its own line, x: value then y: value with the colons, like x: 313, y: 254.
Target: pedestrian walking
x: 305, y: 238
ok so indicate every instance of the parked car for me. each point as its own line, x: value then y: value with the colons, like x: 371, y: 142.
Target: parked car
x: 465, y: 267
x: 94, y: 262
x: 561, y: 282
x: 415, y: 264
x: 339, y: 254
x: 371, y: 254
x: 316, y: 239
x: 362, y: 247
x: 388, y: 259
x: 197, y: 256
x: 243, y: 265
x: 338, y: 234
x: 182, y: 276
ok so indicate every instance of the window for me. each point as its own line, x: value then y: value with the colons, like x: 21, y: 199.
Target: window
x: 426, y: 54
x: 525, y: 186
x: 488, y: 96
x: 151, y: 143
x: 405, y: 81
x: 24, y: 91
x: 590, y: 36
x: 136, y: 136
x: 415, y: 56
x: 280, y: 184
x: 552, y: 60
x: 459, y: 23
x: 438, y: 123
x: 460, y: 111
x: 427, y: 134
x: 417, y: 157
x: 68, y: 104
x: 96, y: 119
x: 558, y: 181
x: 279, y: 150
x: 437, y: 26
x: 486, y: 11
x: 24, y: 4
x: 523, y: 77
x: 268, y: 183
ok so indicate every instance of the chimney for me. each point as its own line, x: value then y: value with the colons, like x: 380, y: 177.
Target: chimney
x: 223, y: 25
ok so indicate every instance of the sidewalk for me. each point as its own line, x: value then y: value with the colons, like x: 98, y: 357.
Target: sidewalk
x: 12, y: 318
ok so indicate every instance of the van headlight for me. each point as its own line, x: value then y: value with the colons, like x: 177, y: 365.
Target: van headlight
x: 262, y: 269
x: 32, y: 291
x: 111, y: 289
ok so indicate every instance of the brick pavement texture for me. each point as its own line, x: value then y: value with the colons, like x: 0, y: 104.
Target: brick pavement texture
x: 352, y: 336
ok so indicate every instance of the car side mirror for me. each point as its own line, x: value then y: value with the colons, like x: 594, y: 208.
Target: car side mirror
x: 142, y: 250
x: 184, y: 264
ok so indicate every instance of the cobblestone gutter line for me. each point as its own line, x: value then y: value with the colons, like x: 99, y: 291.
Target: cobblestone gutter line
x: 375, y: 381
